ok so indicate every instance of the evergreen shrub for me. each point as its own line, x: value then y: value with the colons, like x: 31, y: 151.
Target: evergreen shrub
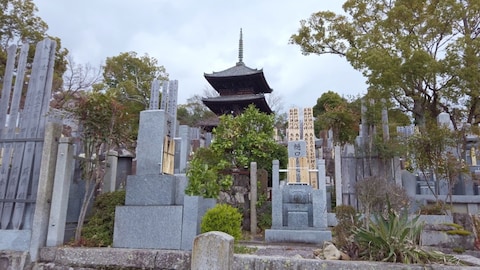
x: 98, y: 231
x: 223, y: 218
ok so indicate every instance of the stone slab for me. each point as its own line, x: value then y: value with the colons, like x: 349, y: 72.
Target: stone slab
x: 468, y: 259
x: 277, y: 207
x: 115, y: 258
x: 332, y: 219
x: 181, y: 182
x: 148, y: 227
x: 319, y: 209
x: 213, y: 250
x: 194, y: 207
x: 297, y: 236
x: 435, y: 219
x: 16, y: 240
x: 150, y: 189
x: 444, y: 240
x: 151, y: 133
x: 297, y: 219
x: 190, y: 225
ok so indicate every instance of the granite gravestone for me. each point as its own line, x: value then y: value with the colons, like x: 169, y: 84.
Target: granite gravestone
x: 157, y: 214
x: 299, y: 212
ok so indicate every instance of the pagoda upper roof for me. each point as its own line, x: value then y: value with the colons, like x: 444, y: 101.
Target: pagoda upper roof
x: 238, y: 78
x: 240, y: 69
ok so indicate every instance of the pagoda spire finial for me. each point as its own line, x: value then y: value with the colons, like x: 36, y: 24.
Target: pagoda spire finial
x: 240, y: 49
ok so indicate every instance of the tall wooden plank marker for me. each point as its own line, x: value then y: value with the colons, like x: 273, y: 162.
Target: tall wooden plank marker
x: 301, y: 145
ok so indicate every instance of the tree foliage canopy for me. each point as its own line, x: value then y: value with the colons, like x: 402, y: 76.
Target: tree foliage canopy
x: 422, y: 54
x: 193, y: 112
x: 102, y: 119
x: 129, y: 77
x: 237, y: 141
x: 245, y: 138
x: 333, y: 112
x: 18, y: 24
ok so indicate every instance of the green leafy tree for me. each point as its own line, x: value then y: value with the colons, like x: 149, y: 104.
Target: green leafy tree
x: 423, y: 55
x: 238, y: 141
x: 102, y: 121
x: 130, y: 76
x: 334, y: 112
x: 380, y: 144
x: 245, y: 138
x: 328, y: 100
x: 433, y: 153
x: 204, y: 175
x: 194, y: 112
x: 18, y: 24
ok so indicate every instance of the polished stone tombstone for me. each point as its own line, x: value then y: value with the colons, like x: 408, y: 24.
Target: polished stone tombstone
x: 157, y: 214
x: 299, y: 212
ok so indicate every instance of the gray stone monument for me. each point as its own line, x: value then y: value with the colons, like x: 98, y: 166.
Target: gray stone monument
x: 299, y: 212
x: 157, y: 214
x: 213, y: 251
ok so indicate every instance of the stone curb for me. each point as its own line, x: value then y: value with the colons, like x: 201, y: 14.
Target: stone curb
x: 173, y: 259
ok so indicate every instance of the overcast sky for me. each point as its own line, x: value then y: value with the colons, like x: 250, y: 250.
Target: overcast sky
x: 191, y: 37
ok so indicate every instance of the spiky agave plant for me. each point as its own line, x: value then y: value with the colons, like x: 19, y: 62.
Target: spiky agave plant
x: 396, y: 238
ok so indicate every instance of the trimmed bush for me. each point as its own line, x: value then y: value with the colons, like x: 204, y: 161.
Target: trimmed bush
x: 223, y: 218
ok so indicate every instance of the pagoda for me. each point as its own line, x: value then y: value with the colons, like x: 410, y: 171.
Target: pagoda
x: 238, y: 87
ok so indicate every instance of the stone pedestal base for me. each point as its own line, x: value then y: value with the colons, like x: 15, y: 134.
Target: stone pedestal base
x: 309, y: 236
x: 156, y: 227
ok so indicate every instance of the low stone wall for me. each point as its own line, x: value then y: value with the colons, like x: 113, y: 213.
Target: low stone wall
x: 66, y: 258
x: 12, y: 260
x: 467, y: 204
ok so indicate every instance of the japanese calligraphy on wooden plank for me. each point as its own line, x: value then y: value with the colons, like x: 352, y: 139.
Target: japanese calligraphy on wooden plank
x: 301, y: 148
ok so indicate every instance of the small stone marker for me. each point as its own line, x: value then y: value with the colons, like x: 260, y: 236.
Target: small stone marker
x: 213, y: 251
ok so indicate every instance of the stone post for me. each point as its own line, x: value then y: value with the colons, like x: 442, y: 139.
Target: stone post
x: 277, y: 213
x: 208, y: 139
x: 253, y: 198
x: 45, y: 186
x: 184, y: 134
x: 61, y: 187
x: 110, y: 179
x: 338, y: 176
x: 213, y: 251
x: 321, y: 206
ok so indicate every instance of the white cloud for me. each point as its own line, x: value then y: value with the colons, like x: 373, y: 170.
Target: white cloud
x: 190, y: 38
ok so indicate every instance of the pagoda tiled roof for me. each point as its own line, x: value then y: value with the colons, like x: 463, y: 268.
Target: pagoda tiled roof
x: 240, y: 69
x: 221, y: 104
x: 239, y: 77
